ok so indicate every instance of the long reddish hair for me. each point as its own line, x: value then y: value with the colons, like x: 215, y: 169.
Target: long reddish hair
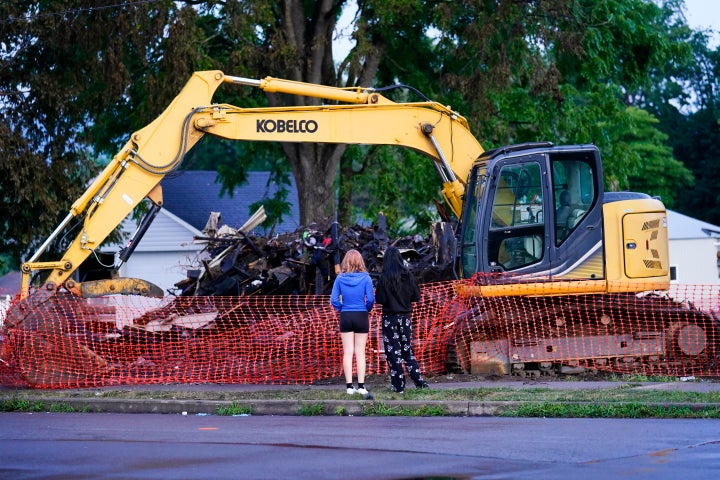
x: 352, y: 262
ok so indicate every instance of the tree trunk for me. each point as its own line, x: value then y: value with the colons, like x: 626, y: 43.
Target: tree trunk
x: 315, y: 166
x: 307, y: 29
x: 345, y: 192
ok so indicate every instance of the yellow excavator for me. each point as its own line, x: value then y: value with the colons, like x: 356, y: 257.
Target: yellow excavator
x: 535, y: 214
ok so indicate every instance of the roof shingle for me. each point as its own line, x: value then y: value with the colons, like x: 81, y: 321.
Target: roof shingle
x: 193, y: 194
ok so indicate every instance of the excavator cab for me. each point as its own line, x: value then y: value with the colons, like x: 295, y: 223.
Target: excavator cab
x: 538, y: 210
x: 534, y: 209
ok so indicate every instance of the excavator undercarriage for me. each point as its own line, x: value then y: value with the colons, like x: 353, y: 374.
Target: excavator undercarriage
x: 534, y: 336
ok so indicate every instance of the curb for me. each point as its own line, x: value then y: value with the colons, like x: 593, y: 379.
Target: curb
x: 316, y: 407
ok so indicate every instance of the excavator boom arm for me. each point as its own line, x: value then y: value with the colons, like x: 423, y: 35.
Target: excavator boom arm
x: 419, y: 126
x: 366, y: 117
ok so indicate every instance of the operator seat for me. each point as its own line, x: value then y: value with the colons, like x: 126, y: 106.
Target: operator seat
x: 562, y: 216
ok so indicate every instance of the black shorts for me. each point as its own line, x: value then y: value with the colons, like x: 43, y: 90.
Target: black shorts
x: 357, y: 322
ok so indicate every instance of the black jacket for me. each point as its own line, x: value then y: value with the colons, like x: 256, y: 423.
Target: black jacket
x: 397, y: 302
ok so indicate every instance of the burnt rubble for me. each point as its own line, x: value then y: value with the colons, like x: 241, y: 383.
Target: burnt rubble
x: 305, y: 262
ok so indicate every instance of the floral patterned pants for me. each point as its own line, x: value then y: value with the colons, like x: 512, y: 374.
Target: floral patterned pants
x: 397, y: 340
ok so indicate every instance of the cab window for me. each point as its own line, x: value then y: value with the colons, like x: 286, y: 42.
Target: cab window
x: 475, y: 189
x: 518, y: 198
x: 574, y: 193
x: 516, y: 236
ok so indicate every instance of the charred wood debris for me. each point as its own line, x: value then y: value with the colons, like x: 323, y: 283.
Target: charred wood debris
x: 306, y: 261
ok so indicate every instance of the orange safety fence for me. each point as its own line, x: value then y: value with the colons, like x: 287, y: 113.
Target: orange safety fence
x: 57, y: 340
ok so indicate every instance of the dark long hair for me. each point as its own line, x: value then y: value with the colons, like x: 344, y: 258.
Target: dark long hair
x: 393, y: 268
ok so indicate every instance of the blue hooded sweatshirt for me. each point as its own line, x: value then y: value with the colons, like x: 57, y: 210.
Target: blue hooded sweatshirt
x: 352, y: 292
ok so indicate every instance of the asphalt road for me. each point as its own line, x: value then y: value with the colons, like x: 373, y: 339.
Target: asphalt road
x: 146, y: 446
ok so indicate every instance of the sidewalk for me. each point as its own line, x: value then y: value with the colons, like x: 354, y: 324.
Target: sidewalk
x: 205, y: 399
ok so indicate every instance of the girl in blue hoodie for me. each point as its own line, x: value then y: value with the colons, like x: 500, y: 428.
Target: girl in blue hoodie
x: 352, y: 296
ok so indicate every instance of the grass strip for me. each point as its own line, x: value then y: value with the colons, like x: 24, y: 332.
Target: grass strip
x: 381, y: 409
x: 621, y: 410
x: 21, y: 405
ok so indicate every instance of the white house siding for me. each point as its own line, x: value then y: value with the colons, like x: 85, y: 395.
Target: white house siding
x: 696, y: 273
x: 164, y: 269
x: 164, y: 253
x: 693, y: 253
x: 695, y: 260
x: 693, y: 249
x: 4, y: 306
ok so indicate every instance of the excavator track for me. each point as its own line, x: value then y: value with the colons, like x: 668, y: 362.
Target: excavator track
x: 533, y: 336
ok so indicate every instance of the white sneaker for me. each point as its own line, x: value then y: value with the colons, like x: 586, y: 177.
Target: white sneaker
x: 362, y: 391
x: 351, y: 391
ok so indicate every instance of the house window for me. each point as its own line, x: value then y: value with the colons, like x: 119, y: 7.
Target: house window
x: 673, y: 273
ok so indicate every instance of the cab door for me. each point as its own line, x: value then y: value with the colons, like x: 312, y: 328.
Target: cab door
x: 576, y: 229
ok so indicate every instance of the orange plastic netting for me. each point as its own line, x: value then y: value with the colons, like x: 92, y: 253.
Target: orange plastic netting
x: 58, y: 340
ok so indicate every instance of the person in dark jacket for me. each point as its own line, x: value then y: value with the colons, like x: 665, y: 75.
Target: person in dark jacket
x: 396, y: 291
x: 352, y: 295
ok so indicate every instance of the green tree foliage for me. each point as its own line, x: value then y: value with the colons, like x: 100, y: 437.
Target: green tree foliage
x: 52, y: 81
x: 559, y: 71
x: 698, y: 148
x: 386, y: 179
x: 655, y: 170
x: 402, y: 186
x: 77, y: 78
x: 690, y: 116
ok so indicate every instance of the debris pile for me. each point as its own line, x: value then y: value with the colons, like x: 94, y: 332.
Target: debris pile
x: 306, y: 261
